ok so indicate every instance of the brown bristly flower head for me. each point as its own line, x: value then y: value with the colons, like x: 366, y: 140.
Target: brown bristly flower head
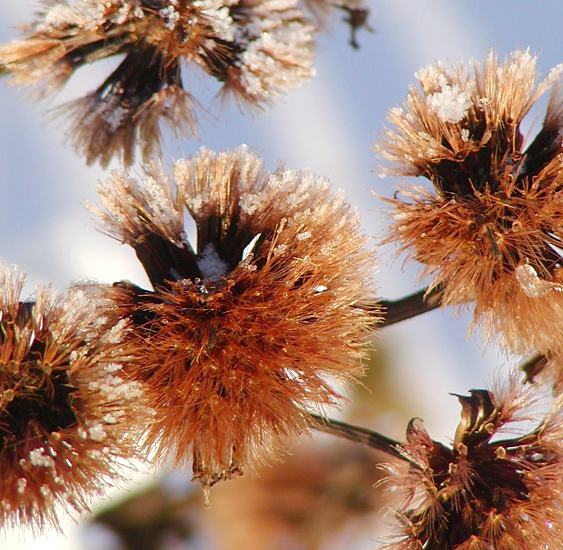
x: 67, y: 418
x: 486, y: 491
x: 258, y: 49
x: 242, y: 335
x: 490, y: 230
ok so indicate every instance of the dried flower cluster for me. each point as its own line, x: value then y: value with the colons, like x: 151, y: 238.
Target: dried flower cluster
x: 248, y: 335
x: 67, y: 418
x: 485, y: 492
x: 258, y: 49
x: 491, y: 229
x: 243, y: 335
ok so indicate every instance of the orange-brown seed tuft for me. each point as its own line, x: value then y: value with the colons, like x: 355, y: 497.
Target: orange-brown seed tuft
x: 243, y: 335
x: 490, y: 229
x: 67, y: 418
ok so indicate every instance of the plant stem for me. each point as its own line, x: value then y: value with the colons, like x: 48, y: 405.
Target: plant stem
x: 358, y: 435
x: 404, y: 308
x: 533, y: 366
x: 410, y: 306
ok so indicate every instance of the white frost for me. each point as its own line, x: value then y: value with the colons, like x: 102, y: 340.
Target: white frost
x: 210, y: 264
x: 532, y: 285
x: 37, y: 458
x: 451, y: 104
x: 97, y: 432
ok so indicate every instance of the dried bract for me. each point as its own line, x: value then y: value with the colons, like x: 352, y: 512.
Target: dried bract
x: 258, y: 49
x: 242, y: 335
x: 485, y: 492
x: 490, y: 230
x: 67, y: 419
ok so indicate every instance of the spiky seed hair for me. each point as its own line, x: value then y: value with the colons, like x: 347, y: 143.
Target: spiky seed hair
x: 67, y: 417
x: 243, y: 334
x: 258, y: 49
x: 486, y: 491
x: 490, y: 229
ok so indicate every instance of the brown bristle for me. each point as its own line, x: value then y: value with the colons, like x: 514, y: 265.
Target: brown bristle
x: 66, y: 416
x: 233, y: 359
x: 490, y: 229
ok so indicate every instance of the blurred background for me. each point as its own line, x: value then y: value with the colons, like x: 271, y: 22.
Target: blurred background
x: 322, y: 497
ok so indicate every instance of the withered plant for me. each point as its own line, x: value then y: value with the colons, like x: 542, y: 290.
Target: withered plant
x: 231, y: 343
x: 491, y: 488
x: 489, y: 231
x: 68, y: 419
x: 257, y: 324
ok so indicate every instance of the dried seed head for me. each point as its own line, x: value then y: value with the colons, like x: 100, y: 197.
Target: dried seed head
x: 66, y: 416
x: 258, y: 49
x: 484, y: 492
x: 242, y: 335
x: 490, y: 229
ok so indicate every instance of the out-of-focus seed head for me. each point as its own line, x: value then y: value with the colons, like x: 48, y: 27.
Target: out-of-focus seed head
x: 545, y: 369
x: 356, y: 15
x: 486, y: 491
x: 308, y: 501
x: 67, y: 418
x: 490, y: 229
x: 243, y: 334
x: 258, y: 49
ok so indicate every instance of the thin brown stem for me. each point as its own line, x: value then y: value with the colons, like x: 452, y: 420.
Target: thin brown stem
x: 410, y: 306
x: 533, y: 366
x: 363, y: 436
x: 405, y: 308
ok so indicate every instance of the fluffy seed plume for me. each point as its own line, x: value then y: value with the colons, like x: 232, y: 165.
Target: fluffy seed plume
x: 490, y: 229
x: 486, y: 491
x: 66, y: 416
x: 258, y: 49
x: 244, y: 333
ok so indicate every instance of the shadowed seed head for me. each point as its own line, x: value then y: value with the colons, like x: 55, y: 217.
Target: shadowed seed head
x: 486, y: 491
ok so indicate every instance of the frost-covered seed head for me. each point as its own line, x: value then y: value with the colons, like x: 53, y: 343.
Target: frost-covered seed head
x: 489, y: 230
x: 233, y: 342
x: 258, y: 49
x: 55, y: 398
